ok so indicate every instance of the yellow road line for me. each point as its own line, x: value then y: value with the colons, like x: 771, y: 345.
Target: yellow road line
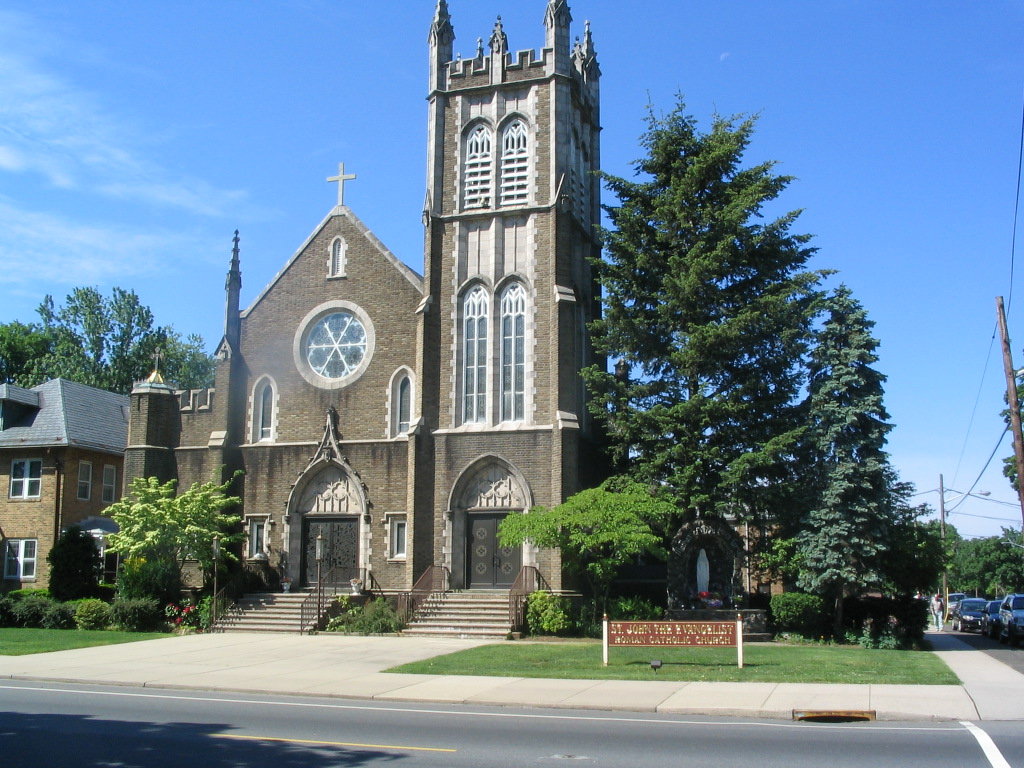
x: 330, y: 743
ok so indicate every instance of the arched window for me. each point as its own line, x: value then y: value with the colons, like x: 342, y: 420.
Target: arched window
x: 515, y: 161
x: 404, y: 405
x: 474, y: 363
x: 513, y: 353
x: 476, y: 176
x: 336, y: 264
x: 263, y: 412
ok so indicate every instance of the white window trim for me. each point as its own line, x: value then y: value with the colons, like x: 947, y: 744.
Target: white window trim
x: 478, y: 167
x: 513, y: 306
x: 18, y: 559
x: 391, y: 521
x: 25, y: 482
x: 394, y: 409
x: 256, y: 410
x: 514, y: 184
x: 250, y: 521
x: 84, y: 468
x: 109, y: 494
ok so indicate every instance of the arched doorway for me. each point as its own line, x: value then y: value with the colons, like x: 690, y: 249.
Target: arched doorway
x: 483, y: 497
x: 330, y: 505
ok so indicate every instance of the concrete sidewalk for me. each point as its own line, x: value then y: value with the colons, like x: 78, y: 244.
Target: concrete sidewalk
x: 346, y: 666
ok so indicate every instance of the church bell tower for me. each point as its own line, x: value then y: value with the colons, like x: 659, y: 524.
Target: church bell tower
x: 511, y: 215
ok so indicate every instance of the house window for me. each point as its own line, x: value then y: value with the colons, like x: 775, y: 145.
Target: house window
x: 404, y: 405
x: 25, y: 478
x: 84, y: 480
x: 476, y: 175
x: 20, y: 559
x: 109, y: 483
x: 257, y: 537
x: 396, y: 537
x: 474, y: 367
x: 515, y: 162
x: 336, y: 264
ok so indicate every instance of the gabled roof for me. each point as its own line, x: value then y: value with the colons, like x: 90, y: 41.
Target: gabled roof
x: 66, y: 414
x: 414, y: 278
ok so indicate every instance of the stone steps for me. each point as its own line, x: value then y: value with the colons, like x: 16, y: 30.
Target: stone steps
x: 478, y: 615
x: 265, y: 612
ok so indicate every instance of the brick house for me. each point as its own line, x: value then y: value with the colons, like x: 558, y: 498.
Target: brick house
x: 61, y: 458
x: 401, y: 416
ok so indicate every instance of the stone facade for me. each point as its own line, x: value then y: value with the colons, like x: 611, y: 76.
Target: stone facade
x: 398, y: 416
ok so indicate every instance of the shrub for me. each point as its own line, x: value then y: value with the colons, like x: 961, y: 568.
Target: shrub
x: 159, y: 580
x: 58, y: 616
x: 633, y: 608
x: 30, y: 610
x: 92, y: 614
x: 547, y: 613
x: 374, y: 618
x: 798, y: 612
x: 139, y: 614
x: 883, y: 622
x: 74, y: 565
x: 6, y: 611
x: 18, y: 594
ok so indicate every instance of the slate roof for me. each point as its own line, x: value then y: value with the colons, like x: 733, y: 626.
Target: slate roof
x: 68, y: 415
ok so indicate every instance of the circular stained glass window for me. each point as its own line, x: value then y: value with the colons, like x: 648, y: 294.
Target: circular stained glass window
x: 336, y: 345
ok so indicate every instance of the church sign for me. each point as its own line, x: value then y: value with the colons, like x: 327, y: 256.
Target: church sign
x: 674, y: 633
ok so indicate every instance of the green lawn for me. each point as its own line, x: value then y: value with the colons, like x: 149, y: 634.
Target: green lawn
x: 18, y: 642
x: 765, y: 663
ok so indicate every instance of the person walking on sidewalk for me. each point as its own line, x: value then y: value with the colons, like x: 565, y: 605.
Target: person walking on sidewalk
x: 938, y: 609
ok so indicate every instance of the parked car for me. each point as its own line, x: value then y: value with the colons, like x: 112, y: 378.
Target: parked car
x: 1011, y: 619
x: 966, y: 614
x: 990, y: 619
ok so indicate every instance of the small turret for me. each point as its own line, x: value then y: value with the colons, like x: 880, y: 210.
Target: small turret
x: 440, y: 40
x: 233, y: 289
x: 557, y: 19
x: 499, y: 40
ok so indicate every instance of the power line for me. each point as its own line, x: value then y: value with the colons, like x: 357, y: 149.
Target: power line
x: 978, y: 478
x: 1016, y: 206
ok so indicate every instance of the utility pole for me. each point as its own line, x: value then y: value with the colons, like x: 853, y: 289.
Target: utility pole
x: 942, y: 531
x: 1012, y: 402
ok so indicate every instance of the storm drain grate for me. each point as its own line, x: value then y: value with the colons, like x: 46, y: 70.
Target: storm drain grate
x: 834, y: 715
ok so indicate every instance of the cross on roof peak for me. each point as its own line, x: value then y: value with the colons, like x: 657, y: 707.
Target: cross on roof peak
x: 341, y: 178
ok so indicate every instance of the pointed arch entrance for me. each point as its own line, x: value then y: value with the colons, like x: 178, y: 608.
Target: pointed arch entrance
x: 327, y: 502
x: 485, y: 494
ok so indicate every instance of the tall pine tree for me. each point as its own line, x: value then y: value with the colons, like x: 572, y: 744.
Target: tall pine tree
x: 846, y: 534
x: 707, y: 304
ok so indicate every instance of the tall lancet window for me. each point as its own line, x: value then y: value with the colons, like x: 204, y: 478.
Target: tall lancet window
x: 263, y: 411
x: 515, y: 162
x: 513, y: 352
x: 336, y: 263
x: 404, y: 405
x: 474, y: 363
x: 476, y: 176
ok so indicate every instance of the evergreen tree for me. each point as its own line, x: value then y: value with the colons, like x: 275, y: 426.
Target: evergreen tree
x: 74, y: 565
x: 708, y: 306
x: 846, y: 534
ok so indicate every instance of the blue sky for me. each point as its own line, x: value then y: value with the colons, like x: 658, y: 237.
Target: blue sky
x: 134, y: 138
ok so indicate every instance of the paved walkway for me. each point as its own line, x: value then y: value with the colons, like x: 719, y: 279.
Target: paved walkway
x: 344, y: 666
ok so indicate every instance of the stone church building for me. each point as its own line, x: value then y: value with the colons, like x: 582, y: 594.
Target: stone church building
x: 401, y: 416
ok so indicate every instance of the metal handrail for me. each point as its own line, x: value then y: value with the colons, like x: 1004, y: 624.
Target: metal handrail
x: 221, y: 607
x: 436, y: 578
x: 528, y: 580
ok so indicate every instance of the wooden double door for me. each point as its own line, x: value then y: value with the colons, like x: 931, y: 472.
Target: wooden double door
x: 490, y: 565
x: 340, y: 562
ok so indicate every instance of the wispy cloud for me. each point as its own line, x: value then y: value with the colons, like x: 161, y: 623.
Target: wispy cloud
x: 42, y: 248
x: 57, y: 129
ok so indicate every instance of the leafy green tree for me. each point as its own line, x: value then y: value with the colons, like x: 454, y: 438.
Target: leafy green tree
x: 990, y: 566
x: 917, y: 552
x: 106, y: 342
x: 74, y: 565
x: 846, y: 534
x: 20, y: 345
x: 597, y: 530
x: 708, y: 306
x: 156, y: 524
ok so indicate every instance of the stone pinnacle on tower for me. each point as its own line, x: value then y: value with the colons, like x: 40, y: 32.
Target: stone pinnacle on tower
x: 499, y: 40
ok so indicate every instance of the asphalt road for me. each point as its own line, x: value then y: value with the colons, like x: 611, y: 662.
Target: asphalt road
x: 57, y: 725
